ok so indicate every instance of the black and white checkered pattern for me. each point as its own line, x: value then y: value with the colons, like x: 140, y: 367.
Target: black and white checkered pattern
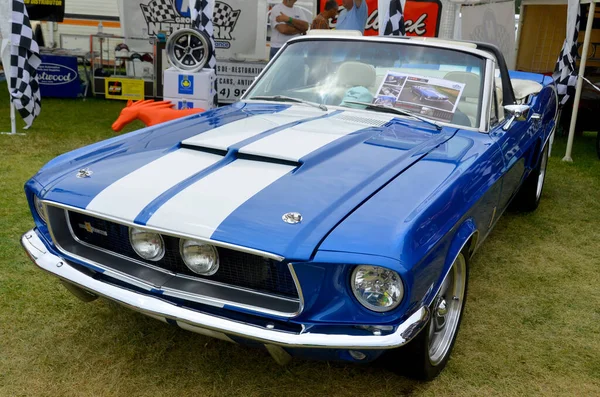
x: 224, y: 15
x: 159, y: 11
x: 394, y: 20
x: 202, y: 19
x: 565, y: 71
x: 24, y: 61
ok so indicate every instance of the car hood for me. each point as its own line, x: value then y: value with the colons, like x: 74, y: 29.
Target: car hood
x: 232, y: 175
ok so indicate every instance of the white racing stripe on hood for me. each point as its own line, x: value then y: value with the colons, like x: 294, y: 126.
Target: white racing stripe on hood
x: 299, y: 141
x: 234, y: 132
x: 200, y: 209
x: 129, y: 195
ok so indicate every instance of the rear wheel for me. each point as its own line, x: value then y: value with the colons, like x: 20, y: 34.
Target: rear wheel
x: 529, y: 195
x: 428, y: 353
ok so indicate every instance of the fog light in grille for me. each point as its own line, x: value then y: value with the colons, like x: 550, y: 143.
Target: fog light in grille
x: 148, y: 245
x: 199, y: 257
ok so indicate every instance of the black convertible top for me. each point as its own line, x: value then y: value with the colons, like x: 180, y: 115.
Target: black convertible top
x: 507, y: 90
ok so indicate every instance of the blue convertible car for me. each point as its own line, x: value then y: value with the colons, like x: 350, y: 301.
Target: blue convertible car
x: 305, y: 219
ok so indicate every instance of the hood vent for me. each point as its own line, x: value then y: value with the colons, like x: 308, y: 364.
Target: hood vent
x: 367, y: 121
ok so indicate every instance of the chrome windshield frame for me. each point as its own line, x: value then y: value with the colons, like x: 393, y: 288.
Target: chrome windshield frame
x: 487, y: 78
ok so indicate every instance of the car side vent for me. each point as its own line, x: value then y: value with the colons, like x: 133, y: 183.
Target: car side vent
x: 368, y: 121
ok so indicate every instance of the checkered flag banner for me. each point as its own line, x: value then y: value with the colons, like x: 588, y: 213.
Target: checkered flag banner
x: 159, y: 10
x: 394, y: 20
x: 224, y: 15
x: 202, y: 19
x: 24, y: 61
x: 565, y: 73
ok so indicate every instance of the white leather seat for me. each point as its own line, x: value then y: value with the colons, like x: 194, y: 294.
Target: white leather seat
x: 524, y: 88
x: 351, y: 74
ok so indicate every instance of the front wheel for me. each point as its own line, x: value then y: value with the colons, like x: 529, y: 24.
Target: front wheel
x: 428, y: 353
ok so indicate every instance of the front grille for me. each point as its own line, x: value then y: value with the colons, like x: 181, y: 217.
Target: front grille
x: 236, y: 268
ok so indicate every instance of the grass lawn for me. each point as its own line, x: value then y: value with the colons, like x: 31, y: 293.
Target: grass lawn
x: 531, y: 324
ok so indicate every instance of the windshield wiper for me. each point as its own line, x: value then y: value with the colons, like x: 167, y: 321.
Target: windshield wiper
x: 381, y: 108
x: 283, y: 98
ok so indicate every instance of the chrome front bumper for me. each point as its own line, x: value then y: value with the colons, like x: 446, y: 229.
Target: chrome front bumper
x: 214, y: 326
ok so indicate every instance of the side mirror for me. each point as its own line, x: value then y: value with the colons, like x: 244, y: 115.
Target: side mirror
x: 516, y: 113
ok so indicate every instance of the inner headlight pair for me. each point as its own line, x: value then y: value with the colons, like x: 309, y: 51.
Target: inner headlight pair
x: 199, y: 257
x: 377, y: 288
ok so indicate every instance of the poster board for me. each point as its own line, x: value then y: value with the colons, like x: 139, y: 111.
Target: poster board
x: 432, y: 97
x: 124, y: 89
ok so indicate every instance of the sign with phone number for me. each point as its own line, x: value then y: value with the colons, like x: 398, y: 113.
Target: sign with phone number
x: 234, y: 78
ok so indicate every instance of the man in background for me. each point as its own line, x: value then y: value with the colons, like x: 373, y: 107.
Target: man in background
x: 321, y: 21
x: 286, y: 21
x: 353, y: 16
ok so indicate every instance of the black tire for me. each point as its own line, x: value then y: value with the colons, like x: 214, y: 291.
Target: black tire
x: 528, y: 197
x: 414, y: 359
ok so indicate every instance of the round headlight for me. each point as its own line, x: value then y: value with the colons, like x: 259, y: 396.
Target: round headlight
x: 199, y: 257
x: 39, y: 208
x: 148, y: 245
x: 377, y: 288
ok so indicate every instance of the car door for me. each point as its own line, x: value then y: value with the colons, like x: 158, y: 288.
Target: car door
x: 515, y: 138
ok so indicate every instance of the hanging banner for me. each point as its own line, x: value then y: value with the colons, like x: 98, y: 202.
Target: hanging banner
x: 492, y: 23
x: 421, y: 17
x: 234, y: 78
x: 239, y: 25
x: 59, y: 77
x: 45, y: 10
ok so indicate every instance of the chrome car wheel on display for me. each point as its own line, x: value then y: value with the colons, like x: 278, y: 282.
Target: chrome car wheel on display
x: 188, y: 49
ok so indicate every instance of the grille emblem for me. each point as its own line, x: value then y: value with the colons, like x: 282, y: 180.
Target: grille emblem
x: 292, y: 218
x: 90, y: 229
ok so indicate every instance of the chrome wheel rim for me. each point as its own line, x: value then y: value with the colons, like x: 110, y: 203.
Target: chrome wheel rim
x: 542, y: 175
x: 446, y: 311
x: 187, y: 50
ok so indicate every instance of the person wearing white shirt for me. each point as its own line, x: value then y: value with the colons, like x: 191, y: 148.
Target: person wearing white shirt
x: 286, y: 21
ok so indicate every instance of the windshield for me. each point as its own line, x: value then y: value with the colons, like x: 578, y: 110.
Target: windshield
x: 437, y: 83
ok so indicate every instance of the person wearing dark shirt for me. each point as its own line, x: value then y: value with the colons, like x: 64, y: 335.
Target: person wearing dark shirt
x: 321, y: 21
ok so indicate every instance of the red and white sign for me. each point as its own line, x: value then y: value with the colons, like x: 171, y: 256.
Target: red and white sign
x: 421, y: 17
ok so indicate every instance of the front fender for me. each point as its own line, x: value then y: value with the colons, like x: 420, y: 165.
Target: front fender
x: 465, y: 240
